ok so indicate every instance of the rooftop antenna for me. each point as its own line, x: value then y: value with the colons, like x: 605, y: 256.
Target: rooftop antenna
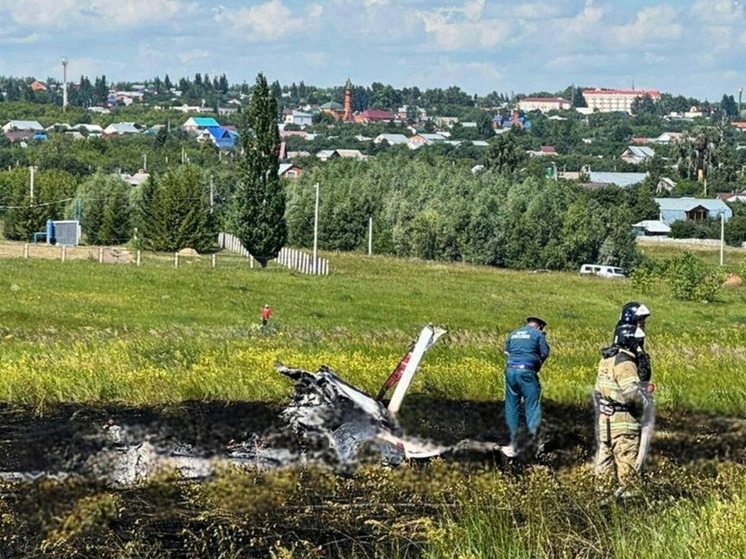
x: 64, y: 83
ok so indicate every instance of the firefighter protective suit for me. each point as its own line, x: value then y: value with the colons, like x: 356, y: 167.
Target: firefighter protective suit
x: 620, y: 401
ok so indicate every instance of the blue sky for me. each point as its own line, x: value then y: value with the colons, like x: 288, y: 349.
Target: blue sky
x: 693, y: 47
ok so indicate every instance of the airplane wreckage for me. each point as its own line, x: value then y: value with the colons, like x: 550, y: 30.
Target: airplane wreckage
x: 328, y: 421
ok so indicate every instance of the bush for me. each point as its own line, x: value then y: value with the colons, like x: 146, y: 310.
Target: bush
x: 691, y: 279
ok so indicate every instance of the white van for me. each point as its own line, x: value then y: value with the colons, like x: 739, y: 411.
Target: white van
x: 602, y: 271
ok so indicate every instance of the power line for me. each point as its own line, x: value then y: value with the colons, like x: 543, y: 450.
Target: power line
x: 36, y: 205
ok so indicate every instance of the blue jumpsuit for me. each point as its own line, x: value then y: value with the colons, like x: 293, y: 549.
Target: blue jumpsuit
x: 527, y: 349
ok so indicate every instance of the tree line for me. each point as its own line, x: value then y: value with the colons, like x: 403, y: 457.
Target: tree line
x: 438, y: 211
x: 170, y: 210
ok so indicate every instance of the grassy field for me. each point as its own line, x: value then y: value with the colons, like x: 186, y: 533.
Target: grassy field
x: 79, y: 332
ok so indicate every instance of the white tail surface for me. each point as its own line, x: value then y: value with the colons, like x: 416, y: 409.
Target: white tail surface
x: 428, y: 336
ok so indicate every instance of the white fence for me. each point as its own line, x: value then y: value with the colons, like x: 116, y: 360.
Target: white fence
x: 289, y: 257
x: 302, y: 262
x: 671, y: 240
x: 226, y: 240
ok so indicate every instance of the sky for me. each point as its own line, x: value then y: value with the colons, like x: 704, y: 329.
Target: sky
x: 691, y: 47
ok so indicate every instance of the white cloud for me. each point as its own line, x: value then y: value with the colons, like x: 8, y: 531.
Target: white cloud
x: 62, y: 14
x: 588, y: 19
x: 576, y: 61
x: 467, y: 75
x: 718, y: 12
x: 534, y: 11
x: 269, y: 21
x: 25, y: 39
x: 462, y: 28
x: 315, y: 59
x: 192, y: 55
x: 650, y: 25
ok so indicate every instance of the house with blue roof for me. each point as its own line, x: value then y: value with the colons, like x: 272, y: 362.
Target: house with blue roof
x: 221, y: 137
x: 637, y: 154
x: 196, y: 123
x: 692, y: 209
x: 622, y: 180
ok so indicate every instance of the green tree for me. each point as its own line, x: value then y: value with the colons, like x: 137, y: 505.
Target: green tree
x: 51, y: 190
x: 504, y: 155
x: 92, y: 199
x: 583, y: 232
x: 144, y: 198
x: 729, y: 106
x: 258, y: 213
x: 180, y: 212
x: 644, y: 106
x: 116, y: 222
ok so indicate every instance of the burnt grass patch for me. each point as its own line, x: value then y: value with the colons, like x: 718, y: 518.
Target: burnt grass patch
x: 308, y: 512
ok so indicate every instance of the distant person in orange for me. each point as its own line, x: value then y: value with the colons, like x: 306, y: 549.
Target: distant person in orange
x: 266, y: 314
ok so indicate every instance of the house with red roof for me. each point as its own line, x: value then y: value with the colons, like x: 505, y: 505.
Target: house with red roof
x: 374, y: 115
x: 613, y: 100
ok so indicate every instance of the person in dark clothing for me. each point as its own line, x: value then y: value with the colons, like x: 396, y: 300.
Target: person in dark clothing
x: 526, y: 349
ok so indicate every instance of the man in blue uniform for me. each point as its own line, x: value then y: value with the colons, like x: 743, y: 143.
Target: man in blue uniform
x: 526, y: 350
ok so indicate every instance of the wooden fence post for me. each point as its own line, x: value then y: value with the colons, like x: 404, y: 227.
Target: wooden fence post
x: 62, y: 253
x: 138, y: 257
x: 25, y: 250
x: 101, y: 255
x: 176, y: 259
x: 214, y: 258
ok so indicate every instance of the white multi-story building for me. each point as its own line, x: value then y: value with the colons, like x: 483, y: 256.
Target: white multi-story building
x: 611, y: 100
x: 544, y: 104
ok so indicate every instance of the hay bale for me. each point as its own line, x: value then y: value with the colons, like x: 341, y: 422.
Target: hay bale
x: 188, y: 252
x: 733, y: 281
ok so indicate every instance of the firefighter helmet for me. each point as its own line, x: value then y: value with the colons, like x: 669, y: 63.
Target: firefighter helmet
x: 629, y: 337
x: 632, y: 312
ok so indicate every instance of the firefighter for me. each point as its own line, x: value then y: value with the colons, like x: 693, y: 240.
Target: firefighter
x: 636, y: 314
x: 526, y: 349
x: 621, y: 398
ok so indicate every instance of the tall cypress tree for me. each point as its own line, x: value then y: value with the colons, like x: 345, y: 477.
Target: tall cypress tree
x: 257, y: 214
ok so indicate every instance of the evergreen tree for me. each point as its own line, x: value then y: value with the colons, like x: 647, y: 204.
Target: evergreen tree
x: 116, y: 223
x: 144, y: 200
x: 180, y: 212
x: 91, y: 200
x: 258, y: 211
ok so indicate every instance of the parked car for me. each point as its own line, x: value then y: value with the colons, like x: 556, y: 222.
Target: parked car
x: 602, y: 271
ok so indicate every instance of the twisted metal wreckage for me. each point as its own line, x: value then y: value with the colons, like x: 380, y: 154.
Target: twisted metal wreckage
x: 328, y: 421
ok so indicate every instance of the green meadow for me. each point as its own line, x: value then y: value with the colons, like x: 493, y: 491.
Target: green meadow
x: 79, y: 333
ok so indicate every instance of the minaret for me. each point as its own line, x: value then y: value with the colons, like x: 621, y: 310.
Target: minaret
x: 348, y: 102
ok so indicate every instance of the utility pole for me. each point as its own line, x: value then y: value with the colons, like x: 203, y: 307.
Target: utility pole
x: 370, y: 236
x: 64, y: 84
x: 740, y: 93
x: 212, y: 194
x: 316, y: 232
x: 722, y: 235
x: 145, y: 162
x: 31, y: 184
